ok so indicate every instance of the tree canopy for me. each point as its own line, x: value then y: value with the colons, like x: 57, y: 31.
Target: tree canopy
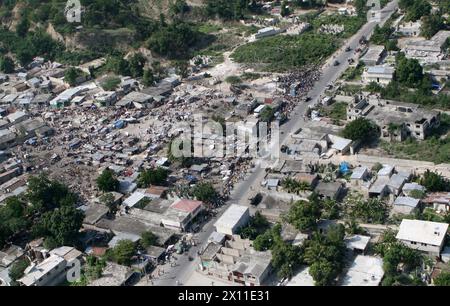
x: 155, y: 176
x: 361, y: 129
x: 107, y: 181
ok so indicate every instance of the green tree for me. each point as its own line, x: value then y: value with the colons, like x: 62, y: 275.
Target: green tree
x: 361, y: 129
x: 442, y: 279
x: 303, y: 215
x: 22, y: 27
x: 109, y: 201
x: 325, y: 254
x: 62, y: 225
x: 418, y: 9
x: 17, y: 270
x: 6, y: 64
x: 267, y: 114
x: 205, y: 192
x: 431, y: 25
x: 94, y: 268
x: 417, y: 194
x: 258, y: 224
x: 157, y: 176
x: 285, y: 11
x: 148, y: 239
x: 148, y: 78
x: 45, y: 194
x: 434, y: 182
x: 107, y: 181
x: 71, y: 75
x: 123, y: 252
x: 409, y: 72
x: 136, y: 65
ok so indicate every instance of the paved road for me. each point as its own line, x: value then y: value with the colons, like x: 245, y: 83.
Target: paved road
x: 185, y: 268
x: 330, y: 74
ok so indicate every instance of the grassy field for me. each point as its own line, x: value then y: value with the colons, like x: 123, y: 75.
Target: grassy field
x: 434, y: 149
x: 351, y: 24
x: 286, y: 52
x: 336, y: 111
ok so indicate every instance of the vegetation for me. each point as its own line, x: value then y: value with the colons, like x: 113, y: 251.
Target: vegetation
x: 157, y: 176
x: 148, y: 239
x: 415, y: 9
x: 337, y: 112
x: 325, y: 255
x: 17, y: 270
x: 303, y: 215
x: 362, y: 130
x: 431, y: 25
x: 205, y: 192
x: 285, y: 257
x: 231, y: 9
x: 232, y: 79
x: 110, y: 83
x: 6, y: 64
x: 109, y: 201
x: 267, y: 114
x: 258, y: 224
x: 396, y: 254
x: 434, y: 182
x: 443, y: 279
x: 71, y: 75
x: 107, y: 181
x: 296, y: 51
x: 293, y: 186
x: 372, y: 210
x: 60, y: 227
x: 123, y: 252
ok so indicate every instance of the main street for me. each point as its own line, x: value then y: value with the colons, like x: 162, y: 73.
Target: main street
x: 330, y: 73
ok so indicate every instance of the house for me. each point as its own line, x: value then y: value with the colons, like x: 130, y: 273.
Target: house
x: 396, y: 182
x: 156, y: 192
x: 409, y: 187
x: 17, y: 117
x: 330, y: 190
x: 236, y: 262
x: 50, y: 272
x: 266, y: 32
x: 359, y: 175
x: 364, y: 271
x: 181, y: 214
x: 311, y: 179
x: 411, y: 29
x: 113, y: 275
x: 235, y: 217
x: 357, y: 243
x: 373, y: 56
x: 427, y: 51
x: 438, y: 201
x: 137, y: 99
x: 405, y: 205
x: 425, y: 236
x: 378, y: 74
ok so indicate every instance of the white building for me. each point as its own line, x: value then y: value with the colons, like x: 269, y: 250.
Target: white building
x: 49, y: 272
x: 364, y: 271
x: 234, y: 218
x: 424, y: 236
x: 378, y: 74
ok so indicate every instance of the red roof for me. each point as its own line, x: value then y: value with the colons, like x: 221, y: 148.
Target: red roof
x: 187, y: 205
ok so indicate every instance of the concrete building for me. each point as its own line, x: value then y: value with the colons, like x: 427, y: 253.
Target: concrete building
x: 405, y: 205
x: 373, y: 56
x: 438, y: 201
x: 424, y: 236
x: 378, y: 74
x: 49, y: 272
x: 397, y: 120
x: 427, y: 51
x: 235, y: 217
x: 409, y: 28
x: 236, y: 261
x: 181, y: 213
x: 364, y: 271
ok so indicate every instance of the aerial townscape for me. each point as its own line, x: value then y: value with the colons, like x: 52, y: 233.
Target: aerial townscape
x: 225, y: 143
